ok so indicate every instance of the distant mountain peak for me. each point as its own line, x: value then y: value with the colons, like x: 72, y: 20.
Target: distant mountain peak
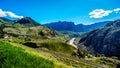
x: 61, y: 26
x: 27, y: 20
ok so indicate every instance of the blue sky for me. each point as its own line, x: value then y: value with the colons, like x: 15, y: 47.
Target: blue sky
x: 78, y: 11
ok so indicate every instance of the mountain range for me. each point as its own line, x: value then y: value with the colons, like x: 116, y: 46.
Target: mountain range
x: 70, y: 26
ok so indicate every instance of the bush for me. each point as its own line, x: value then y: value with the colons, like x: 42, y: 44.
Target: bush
x: 82, y: 53
x: 100, y: 55
x: 114, y: 57
x: 16, y: 40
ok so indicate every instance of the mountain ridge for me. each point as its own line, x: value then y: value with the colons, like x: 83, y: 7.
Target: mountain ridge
x: 65, y: 26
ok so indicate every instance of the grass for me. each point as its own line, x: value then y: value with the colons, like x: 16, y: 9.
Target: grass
x: 45, y: 55
x: 55, y: 45
x: 16, y: 57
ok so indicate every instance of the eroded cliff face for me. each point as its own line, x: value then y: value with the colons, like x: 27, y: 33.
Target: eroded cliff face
x: 104, y: 40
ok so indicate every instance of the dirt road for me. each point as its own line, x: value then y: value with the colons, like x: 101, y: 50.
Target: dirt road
x: 71, y: 42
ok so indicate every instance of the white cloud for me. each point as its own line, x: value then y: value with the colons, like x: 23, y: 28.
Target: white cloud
x: 100, y: 13
x: 2, y: 14
x: 117, y: 9
x: 9, y: 14
x: 13, y: 15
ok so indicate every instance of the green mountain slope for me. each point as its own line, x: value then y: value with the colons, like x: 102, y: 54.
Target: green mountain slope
x: 23, y: 28
x: 12, y: 56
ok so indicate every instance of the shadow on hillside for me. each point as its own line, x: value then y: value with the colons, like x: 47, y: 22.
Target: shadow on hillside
x: 31, y: 44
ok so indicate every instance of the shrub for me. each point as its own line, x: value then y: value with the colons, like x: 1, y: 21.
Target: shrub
x: 82, y: 53
x: 114, y: 57
x: 100, y: 55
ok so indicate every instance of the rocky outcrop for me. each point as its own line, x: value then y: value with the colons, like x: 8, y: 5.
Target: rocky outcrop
x: 104, y: 40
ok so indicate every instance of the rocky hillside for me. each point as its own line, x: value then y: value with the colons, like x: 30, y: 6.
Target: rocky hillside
x: 104, y: 40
